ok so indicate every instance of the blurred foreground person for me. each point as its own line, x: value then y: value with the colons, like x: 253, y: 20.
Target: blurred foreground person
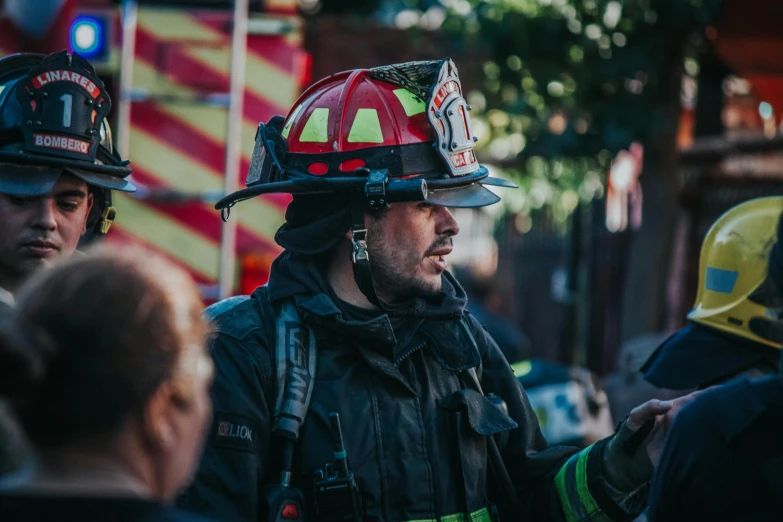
x: 723, y: 456
x: 104, y: 361
x: 722, y: 339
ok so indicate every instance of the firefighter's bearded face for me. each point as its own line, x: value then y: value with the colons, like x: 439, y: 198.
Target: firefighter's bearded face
x: 407, y: 246
x: 36, y: 231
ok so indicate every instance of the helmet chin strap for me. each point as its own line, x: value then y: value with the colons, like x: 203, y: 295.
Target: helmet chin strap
x: 360, y: 259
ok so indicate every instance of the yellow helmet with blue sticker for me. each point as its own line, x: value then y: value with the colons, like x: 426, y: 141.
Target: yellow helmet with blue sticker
x: 733, y: 285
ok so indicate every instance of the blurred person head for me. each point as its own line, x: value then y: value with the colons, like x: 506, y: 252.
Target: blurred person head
x: 725, y: 336
x: 374, y: 158
x: 58, y: 165
x: 486, y: 304
x: 104, y: 362
x: 626, y: 387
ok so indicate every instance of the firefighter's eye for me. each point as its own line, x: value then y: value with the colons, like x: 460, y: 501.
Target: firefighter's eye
x: 68, y: 205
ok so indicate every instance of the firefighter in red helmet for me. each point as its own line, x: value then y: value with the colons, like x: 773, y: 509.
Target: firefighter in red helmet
x: 355, y: 386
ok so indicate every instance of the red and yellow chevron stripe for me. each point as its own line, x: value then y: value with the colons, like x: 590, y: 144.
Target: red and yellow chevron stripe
x: 182, y: 145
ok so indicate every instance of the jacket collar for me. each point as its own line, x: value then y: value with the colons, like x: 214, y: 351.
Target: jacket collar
x: 440, y: 324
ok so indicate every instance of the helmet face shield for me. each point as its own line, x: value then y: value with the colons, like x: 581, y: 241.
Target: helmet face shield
x: 407, y: 123
x: 265, y: 167
x: 472, y: 196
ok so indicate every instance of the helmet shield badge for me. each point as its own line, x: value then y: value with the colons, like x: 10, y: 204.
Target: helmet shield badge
x: 448, y: 112
x: 64, y: 104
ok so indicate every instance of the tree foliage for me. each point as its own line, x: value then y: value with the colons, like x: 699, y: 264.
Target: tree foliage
x: 572, y: 82
x: 569, y: 83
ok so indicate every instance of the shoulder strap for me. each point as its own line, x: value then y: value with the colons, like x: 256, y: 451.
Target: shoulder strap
x: 213, y: 311
x: 295, y: 356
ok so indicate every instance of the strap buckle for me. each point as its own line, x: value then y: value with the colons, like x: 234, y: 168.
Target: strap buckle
x: 359, y: 245
x: 375, y: 189
x: 107, y: 218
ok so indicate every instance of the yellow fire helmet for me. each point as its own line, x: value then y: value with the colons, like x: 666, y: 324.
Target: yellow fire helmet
x: 733, y: 285
x: 729, y: 327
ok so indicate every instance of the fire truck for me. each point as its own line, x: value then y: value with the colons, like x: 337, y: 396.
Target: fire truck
x: 190, y: 81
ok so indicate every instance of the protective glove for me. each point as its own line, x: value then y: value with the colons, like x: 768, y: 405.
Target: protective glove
x: 626, y: 463
x: 630, y: 456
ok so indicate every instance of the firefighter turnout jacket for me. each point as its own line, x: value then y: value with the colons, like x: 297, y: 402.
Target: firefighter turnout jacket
x: 415, y: 431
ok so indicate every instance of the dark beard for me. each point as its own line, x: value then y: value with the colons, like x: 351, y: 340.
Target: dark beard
x: 389, y: 274
x: 398, y: 288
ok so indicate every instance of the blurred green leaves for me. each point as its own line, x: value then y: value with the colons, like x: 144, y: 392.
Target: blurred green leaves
x: 567, y: 85
x: 570, y: 83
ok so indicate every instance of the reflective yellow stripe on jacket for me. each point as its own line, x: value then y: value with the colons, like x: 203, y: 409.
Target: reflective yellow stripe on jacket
x: 575, y: 497
x: 482, y: 515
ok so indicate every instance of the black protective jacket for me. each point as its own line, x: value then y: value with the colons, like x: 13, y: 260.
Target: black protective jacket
x: 415, y: 430
x: 723, y: 457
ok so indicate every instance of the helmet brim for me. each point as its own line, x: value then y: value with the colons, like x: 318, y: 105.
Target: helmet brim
x: 696, y: 356
x: 499, y: 182
x: 103, y: 180
x: 471, y: 196
x: 39, y: 160
x: 460, y: 192
x: 22, y: 180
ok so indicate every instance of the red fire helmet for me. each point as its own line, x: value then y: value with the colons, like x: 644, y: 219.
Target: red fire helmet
x: 399, y: 133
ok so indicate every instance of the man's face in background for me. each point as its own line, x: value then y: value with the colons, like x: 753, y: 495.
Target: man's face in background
x: 36, y: 231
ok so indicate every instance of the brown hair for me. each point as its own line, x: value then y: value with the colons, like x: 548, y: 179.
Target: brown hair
x: 91, y: 340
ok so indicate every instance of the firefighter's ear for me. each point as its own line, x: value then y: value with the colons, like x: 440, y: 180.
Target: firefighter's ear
x: 158, y: 418
x: 90, y: 203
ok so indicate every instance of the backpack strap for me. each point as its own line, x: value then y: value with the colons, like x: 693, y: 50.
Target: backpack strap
x: 295, y: 359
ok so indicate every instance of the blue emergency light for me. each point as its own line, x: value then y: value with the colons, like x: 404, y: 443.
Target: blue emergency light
x: 89, y: 37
